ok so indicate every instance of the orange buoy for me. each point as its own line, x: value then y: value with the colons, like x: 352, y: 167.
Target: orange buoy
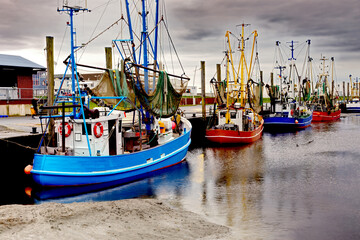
x: 296, y: 121
x: 162, y: 127
x: 28, y: 191
x: 28, y: 169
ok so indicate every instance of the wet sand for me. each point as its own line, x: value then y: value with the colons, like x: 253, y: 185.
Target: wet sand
x: 124, y: 219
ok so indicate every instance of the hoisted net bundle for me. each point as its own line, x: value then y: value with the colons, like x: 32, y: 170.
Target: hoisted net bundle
x: 255, y: 95
x: 113, y: 83
x: 257, y: 101
x: 165, y: 99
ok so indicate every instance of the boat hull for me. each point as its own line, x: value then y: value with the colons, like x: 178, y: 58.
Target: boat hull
x: 57, y: 170
x: 234, y: 137
x: 286, y: 123
x: 319, y: 116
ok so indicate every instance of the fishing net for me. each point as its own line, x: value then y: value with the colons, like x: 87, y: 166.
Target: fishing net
x: 164, y: 100
x: 113, y: 83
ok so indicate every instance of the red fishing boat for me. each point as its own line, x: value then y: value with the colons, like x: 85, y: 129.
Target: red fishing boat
x: 234, y: 123
x: 245, y: 126
x: 325, y: 116
x: 324, y: 100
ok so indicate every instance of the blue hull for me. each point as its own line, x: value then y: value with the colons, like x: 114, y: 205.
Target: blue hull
x: 57, y: 170
x: 353, y: 109
x: 286, y: 123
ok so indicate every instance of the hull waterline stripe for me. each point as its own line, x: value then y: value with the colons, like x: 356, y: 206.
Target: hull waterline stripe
x: 224, y: 136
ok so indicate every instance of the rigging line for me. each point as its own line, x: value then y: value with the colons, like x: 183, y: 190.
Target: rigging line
x: 21, y: 145
x: 148, y: 35
x: 303, y: 45
x: 97, y: 24
x: 101, y: 5
x: 220, y: 65
x: 305, y: 60
x: 85, y: 44
x: 172, y: 43
x: 62, y: 42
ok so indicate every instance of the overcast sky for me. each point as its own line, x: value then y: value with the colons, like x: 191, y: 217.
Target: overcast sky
x: 198, y: 30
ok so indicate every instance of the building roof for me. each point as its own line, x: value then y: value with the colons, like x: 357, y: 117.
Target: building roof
x: 17, y: 61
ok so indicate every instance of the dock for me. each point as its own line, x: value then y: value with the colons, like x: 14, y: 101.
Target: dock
x: 13, y: 127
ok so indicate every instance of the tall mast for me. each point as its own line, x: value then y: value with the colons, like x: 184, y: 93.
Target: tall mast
x: 144, y: 36
x: 74, y: 76
x: 130, y: 29
x: 242, y: 65
x: 292, y: 69
x: 156, y: 33
x: 227, y: 88
x: 281, y: 69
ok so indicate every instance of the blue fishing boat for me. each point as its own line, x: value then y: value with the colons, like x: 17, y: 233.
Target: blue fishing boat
x: 109, y: 143
x: 289, y: 110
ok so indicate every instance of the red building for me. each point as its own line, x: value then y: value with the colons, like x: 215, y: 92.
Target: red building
x: 16, y: 84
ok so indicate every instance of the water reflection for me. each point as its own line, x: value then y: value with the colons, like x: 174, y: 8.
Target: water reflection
x: 301, y: 185
x: 286, y: 186
x: 166, y: 180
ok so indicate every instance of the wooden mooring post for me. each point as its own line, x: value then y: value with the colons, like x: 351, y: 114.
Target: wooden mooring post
x: 203, y: 101
x: 108, y: 57
x: 50, y: 79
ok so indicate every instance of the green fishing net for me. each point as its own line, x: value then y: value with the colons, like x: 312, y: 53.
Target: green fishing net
x: 164, y: 101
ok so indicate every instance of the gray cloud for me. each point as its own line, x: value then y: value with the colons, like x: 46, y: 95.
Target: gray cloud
x: 198, y: 27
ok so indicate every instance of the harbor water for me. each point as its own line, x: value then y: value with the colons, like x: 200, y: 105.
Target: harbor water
x: 299, y: 185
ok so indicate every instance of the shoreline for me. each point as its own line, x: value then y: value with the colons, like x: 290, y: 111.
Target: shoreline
x: 121, y: 219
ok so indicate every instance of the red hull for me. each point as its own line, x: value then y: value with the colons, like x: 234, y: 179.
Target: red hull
x: 325, y: 116
x: 234, y: 137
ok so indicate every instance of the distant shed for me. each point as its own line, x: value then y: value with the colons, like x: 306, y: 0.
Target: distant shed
x: 16, y: 84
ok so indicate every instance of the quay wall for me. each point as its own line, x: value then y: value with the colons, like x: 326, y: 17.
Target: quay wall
x: 15, y: 109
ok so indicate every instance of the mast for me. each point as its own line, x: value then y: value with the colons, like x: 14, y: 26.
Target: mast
x: 130, y: 29
x: 280, y: 68
x: 74, y: 75
x: 144, y: 36
x: 292, y: 69
x: 242, y: 65
x: 227, y: 89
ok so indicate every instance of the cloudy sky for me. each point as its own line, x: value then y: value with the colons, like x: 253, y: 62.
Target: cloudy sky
x: 198, y: 30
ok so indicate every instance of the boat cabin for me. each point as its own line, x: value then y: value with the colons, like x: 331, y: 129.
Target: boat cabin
x: 241, y: 119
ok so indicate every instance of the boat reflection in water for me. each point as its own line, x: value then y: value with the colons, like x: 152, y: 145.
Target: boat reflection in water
x: 230, y: 184
x: 170, y: 179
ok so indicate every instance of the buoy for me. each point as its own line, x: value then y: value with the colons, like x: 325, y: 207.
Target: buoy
x: 162, y: 127
x: 28, y: 169
x: 28, y: 191
x: 296, y: 121
x: 98, y: 129
x: 173, y: 125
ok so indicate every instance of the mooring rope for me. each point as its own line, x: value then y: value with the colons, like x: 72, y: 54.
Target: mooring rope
x: 19, y: 144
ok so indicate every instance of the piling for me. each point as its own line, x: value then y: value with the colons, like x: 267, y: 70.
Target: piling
x: 218, y: 72
x: 348, y: 91
x: 344, y: 96
x: 108, y: 57
x: 203, y: 103
x: 50, y: 78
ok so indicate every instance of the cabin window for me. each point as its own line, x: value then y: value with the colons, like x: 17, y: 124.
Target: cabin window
x: 222, y: 114
x: 232, y: 115
x: 78, y: 137
x: 88, y: 127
